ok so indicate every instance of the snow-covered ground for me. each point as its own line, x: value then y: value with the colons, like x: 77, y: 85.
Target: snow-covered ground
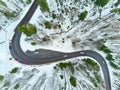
x: 6, y: 35
x: 73, y: 35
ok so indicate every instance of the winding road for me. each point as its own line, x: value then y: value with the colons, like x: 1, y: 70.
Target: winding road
x: 42, y: 56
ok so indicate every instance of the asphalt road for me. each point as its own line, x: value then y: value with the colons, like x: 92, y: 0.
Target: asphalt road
x: 42, y: 56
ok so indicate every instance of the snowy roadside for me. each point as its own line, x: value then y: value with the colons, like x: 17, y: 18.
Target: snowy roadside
x: 82, y: 37
x: 5, y: 37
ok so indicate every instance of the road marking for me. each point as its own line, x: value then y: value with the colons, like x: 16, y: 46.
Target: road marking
x: 103, y: 62
x: 65, y: 56
x: 81, y: 52
x: 35, y: 52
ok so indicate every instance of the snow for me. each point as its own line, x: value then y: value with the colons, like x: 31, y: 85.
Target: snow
x: 60, y: 40
x: 6, y: 35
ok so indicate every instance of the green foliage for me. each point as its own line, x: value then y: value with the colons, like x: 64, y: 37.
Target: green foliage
x: 33, y: 43
x: 54, y: 16
x: 25, y: 1
x: 28, y: 29
x: 118, y: 88
x: 44, y: 6
x: 109, y: 57
x: 29, y: 1
x: 59, y: 26
x: 14, y: 70
x: 8, y: 14
x: 105, y: 49
x: 101, y: 3
x: 6, y: 84
x: 106, y: 26
x: 57, y: 1
x: 98, y: 77
x: 1, y: 77
x: 65, y: 65
x: 73, y: 81
x: 48, y: 25
x: 115, y: 10
x: 95, y: 83
x: 55, y: 67
x: 117, y: 3
x: 2, y: 3
x: 76, y: 1
x: 114, y: 65
x: 90, y: 62
x: 83, y: 15
x: 116, y: 74
x: 61, y: 76
x: 46, y: 39
x: 16, y: 86
x: 103, y: 40
x: 21, y: 1
x: 63, y: 11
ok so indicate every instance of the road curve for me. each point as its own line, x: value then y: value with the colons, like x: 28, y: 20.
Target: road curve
x: 41, y: 56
